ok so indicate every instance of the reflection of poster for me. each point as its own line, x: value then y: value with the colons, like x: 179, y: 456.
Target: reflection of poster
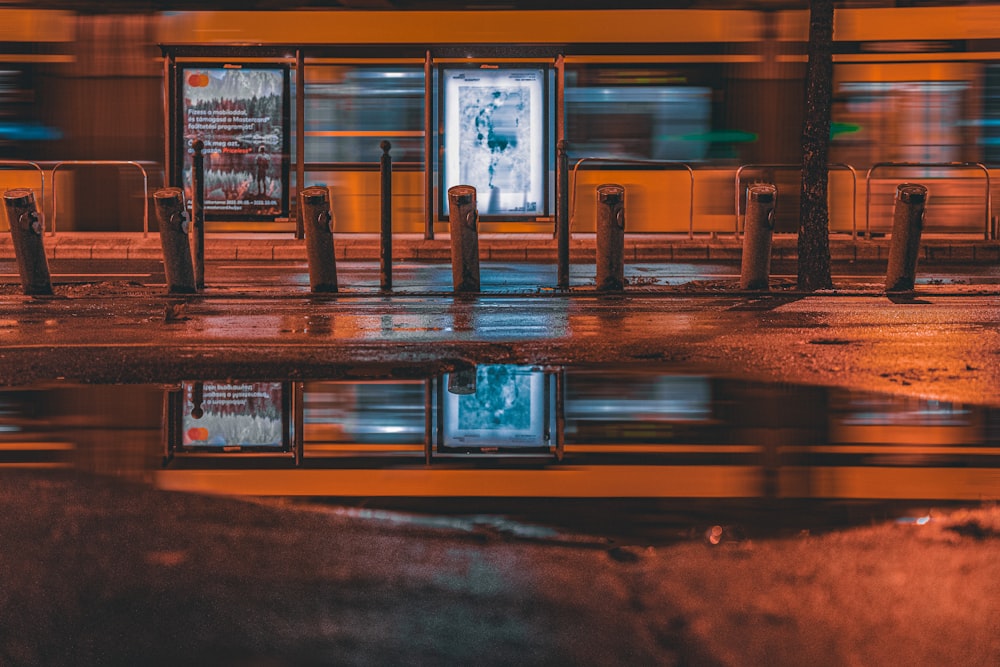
x: 494, y: 129
x: 240, y: 114
x: 248, y: 415
x: 506, y: 410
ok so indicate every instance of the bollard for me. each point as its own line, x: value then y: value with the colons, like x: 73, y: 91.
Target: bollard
x: 610, y: 238
x: 462, y: 381
x: 198, y: 211
x: 26, y: 229
x: 755, y: 270
x: 318, y: 223
x: 907, y: 223
x: 385, y: 247
x: 463, y: 217
x: 173, y: 221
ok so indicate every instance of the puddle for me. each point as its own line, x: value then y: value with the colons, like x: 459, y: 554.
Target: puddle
x: 624, y: 454
x: 512, y: 431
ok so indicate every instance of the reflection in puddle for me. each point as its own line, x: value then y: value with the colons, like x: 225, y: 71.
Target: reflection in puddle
x: 512, y: 431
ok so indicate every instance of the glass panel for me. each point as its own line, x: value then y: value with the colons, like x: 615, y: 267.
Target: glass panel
x: 351, y: 109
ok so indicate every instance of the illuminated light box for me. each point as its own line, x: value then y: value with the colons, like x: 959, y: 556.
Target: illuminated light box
x: 241, y: 113
x: 234, y: 417
x: 506, y: 409
x: 495, y: 138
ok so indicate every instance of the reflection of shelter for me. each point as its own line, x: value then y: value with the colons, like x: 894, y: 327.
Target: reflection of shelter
x: 576, y: 432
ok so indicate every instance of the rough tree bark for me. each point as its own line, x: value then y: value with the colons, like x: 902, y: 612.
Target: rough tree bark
x: 814, y: 215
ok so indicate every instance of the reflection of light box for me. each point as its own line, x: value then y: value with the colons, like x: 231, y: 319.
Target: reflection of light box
x: 218, y: 417
x: 509, y: 411
x: 495, y: 135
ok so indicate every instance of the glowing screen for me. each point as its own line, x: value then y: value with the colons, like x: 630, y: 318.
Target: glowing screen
x: 494, y: 131
x: 503, y: 407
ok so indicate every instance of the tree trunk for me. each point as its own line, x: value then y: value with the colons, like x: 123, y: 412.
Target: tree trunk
x: 814, y: 215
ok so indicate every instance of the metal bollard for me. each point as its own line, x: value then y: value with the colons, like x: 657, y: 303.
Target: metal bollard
x: 385, y: 247
x: 463, y: 217
x: 610, y: 238
x: 315, y: 204
x: 462, y: 381
x: 26, y: 229
x: 173, y: 221
x: 755, y: 270
x: 907, y: 223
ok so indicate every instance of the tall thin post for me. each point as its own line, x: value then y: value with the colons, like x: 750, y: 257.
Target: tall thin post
x: 168, y: 116
x: 562, y: 214
x: 300, y: 136
x: 198, y: 212
x: 385, y: 168
x: 428, y: 148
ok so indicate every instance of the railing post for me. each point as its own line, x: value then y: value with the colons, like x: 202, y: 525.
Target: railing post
x: 562, y: 214
x: 755, y: 271
x: 462, y: 219
x: 198, y: 212
x: 904, y: 247
x: 610, y: 238
x: 26, y: 230
x: 173, y: 222
x: 385, y: 247
x: 314, y: 202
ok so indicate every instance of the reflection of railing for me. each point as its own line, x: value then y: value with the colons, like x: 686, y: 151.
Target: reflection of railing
x: 842, y: 165
x: 41, y: 178
x: 145, y: 187
x: 944, y: 165
x: 666, y: 164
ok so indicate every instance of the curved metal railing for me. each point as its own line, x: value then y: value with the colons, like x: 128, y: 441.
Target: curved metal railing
x: 934, y: 165
x: 41, y: 177
x: 145, y: 187
x: 626, y: 161
x: 842, y: 165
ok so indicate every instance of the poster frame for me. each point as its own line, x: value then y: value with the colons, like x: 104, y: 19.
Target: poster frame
x: 175, y: 407
x: 544, y: 213
x: 452, y: 440
x: 182, y: 157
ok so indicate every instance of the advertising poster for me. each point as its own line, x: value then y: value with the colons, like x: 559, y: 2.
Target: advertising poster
x: 241, y: 115
x: 506, y: 410
x: 237, y: 416
x: 494, y: 138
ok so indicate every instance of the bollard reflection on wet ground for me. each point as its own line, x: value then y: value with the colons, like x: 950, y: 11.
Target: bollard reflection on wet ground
x: 518, y: 439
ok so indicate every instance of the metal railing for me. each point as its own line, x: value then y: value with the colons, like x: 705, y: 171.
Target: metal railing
x: 145, y: 187
x: 934, y: 165
x: 41, y: 178
x: 841, y: 165
x: 666, y: 164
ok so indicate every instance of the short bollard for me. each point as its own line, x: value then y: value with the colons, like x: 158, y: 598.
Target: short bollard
x: 173, y: 222
x: 26, y: 230
x: 610, y: 238
x: 755, y: 271
x: 904, y: 247
x: 463, y: 219
x: 316, y: 218
x: 462, y: 381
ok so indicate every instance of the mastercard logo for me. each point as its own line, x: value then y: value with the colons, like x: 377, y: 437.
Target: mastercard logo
x: 198, y: 80
x: 197, y: 434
